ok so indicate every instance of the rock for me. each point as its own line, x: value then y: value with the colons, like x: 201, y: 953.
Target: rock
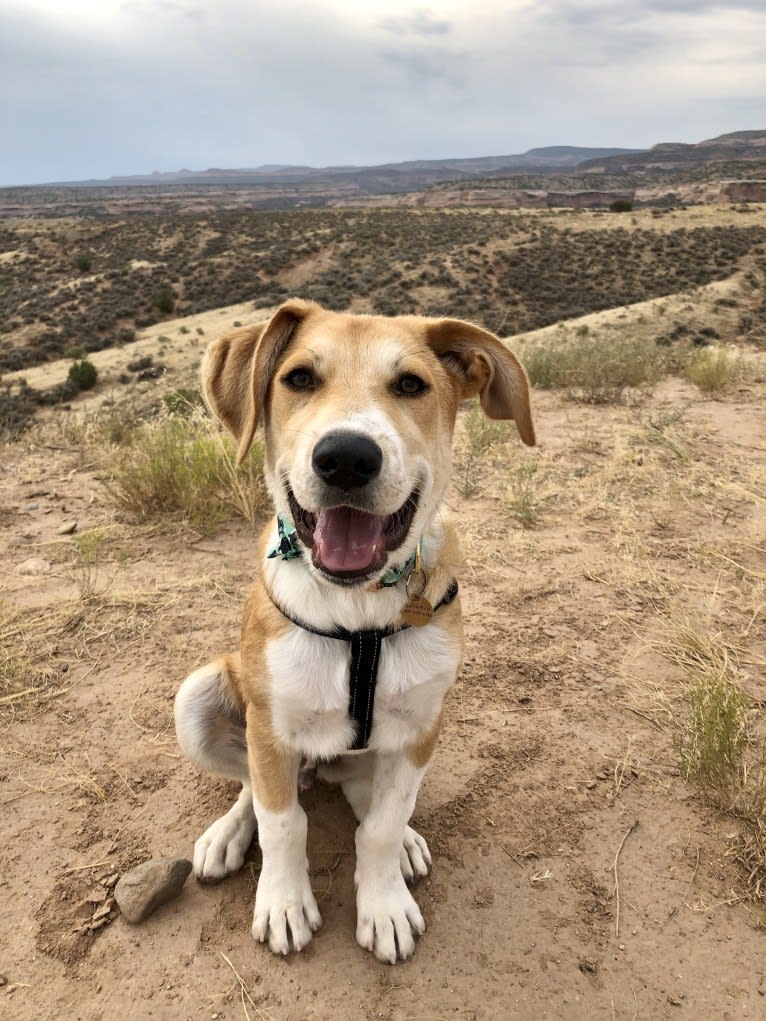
x: 142, y: 890
x: 34, y: 565
x: 103, y: 911
x: 67, y: 528
x: 31, y: 506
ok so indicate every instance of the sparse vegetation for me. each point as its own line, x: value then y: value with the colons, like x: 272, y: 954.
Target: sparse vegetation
x: 89, y: 546
x: 597, y: 370
x: 720, y: 749
x: 185, y: 467
x: 524, y: 498
x: 519, y: 271
x: 714, y: 369
x: 184, y: 401
x: 480, y: 436
x: 576, y: 551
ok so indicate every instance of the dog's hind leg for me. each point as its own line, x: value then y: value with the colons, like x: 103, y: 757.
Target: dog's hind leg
x: 211, y: 730
x: 355, y: 777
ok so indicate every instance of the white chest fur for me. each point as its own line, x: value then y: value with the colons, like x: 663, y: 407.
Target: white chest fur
x: 310, y: 689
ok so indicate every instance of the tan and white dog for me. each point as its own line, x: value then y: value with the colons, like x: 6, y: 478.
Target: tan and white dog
x: 358, y: 416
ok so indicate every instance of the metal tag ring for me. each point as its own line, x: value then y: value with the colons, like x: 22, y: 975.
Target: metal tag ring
x: 422, y: 577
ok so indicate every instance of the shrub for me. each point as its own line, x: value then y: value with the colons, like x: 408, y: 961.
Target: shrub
x: 185, y: 467
x: 591, y: 369
x: 140, y: 363
x: 84, y: 263
x: 714, y: 369
x: 83, y: 374
x: 162, y: 300
x: 621, y: 206
x: 183, y: 401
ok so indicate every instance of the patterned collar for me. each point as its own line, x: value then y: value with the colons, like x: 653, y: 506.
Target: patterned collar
x: 289, y: 548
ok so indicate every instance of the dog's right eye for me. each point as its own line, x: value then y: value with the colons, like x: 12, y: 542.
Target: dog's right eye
x: 300, y: 379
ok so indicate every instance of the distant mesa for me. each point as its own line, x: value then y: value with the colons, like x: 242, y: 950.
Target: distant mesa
x: 728, y: 168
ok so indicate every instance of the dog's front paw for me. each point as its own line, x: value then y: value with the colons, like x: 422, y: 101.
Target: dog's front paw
x: 286, y: 912
x: 414, y: 858
x: 222, y: 847
x: 387, y: 917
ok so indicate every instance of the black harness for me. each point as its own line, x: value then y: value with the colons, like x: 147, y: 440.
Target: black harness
x: 365, y: 659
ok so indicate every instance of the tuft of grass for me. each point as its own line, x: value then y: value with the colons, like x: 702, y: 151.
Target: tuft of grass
x: 719, y: 748
x: 715, y: 737
x: 595, y: 370
x: 714, y: 369
x: 185, y: 467
x: 524, y: 499
x: 89, y: 546
x: 481, y: 434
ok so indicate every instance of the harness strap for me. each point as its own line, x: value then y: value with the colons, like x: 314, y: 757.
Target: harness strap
x: 366, y: 647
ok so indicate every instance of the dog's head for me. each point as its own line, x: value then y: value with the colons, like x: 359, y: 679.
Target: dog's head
x: 358, y: 417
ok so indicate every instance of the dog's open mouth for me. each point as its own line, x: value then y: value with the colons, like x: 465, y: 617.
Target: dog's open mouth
x: 347, y: 543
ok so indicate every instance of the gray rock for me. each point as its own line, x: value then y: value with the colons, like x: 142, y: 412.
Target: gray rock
x: 33, y: 566
x: 142, y: 890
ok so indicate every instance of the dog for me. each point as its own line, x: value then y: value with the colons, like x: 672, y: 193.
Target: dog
x: 352, y: 635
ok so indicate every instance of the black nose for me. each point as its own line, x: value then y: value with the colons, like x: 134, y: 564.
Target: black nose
x: 347, y: 460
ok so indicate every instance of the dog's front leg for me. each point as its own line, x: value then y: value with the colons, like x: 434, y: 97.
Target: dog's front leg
x: 387, y: 914
x: 286, y: 912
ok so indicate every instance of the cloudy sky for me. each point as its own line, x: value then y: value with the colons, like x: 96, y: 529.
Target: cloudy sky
x: 91, y: 89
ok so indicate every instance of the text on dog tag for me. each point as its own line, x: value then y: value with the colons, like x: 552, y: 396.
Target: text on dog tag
x: 417, y: 612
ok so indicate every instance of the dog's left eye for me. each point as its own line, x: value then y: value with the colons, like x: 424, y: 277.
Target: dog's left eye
x: 410, y: 386
x: 300, y: 379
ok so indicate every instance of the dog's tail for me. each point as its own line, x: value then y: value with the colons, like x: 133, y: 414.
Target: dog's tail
x: 210, y: 718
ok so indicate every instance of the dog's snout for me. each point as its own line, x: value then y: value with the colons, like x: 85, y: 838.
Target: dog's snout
x: 347, y: 460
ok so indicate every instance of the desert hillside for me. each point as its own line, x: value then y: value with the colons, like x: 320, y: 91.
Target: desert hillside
x: 595, y: 806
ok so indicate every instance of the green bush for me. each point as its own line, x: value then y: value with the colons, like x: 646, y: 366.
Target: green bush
x: 162, y: 300
x: 83, y: 374
x: 621, y: 206
x: 84, y: 263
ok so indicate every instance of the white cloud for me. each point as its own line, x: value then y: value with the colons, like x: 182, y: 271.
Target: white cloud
x: 92, y: 89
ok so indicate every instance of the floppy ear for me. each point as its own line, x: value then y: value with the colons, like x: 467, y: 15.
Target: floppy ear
x: 483, y: 365
x: 237, y: 370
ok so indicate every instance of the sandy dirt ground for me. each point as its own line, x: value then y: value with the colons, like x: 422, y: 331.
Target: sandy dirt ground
x: 557, y: 770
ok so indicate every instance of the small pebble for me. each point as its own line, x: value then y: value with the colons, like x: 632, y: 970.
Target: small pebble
x: 67, y: 528
x: 31, y: 506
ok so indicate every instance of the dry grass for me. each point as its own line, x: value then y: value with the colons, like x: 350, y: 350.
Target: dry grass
x: 25, y: 643
x: 715, y: 369
x: 39, y: 646
x: 478, y: 437
x: 595, y: 369
x: 720, y: 749
x: 525, y: 498
x: 184, y: 466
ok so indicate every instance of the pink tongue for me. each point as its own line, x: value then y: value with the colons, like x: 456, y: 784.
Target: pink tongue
x: 346, y: 539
